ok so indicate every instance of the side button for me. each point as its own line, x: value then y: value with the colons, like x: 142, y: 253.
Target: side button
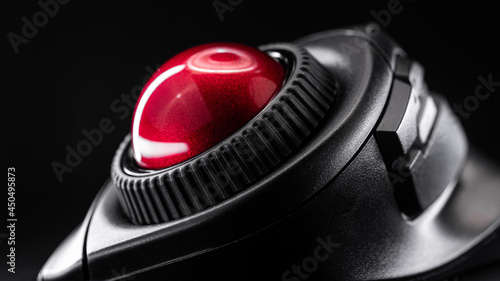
x: 403, y: 135
x: 398, y: 129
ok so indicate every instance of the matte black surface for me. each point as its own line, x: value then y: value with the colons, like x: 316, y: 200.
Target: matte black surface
x: 264, y: 203
x: 395, y: 248
x: 357, y: 206
x: 66, y: 78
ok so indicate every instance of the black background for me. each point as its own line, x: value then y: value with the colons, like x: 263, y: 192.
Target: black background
x: 67, y: 76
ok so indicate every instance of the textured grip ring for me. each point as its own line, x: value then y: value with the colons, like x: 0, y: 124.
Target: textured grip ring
x: 154, y: 196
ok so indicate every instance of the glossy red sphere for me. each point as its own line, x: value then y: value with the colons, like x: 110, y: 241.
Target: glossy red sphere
x: 200, y: 97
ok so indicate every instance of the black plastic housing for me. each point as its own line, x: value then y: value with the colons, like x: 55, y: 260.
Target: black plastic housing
x: 328, y: 212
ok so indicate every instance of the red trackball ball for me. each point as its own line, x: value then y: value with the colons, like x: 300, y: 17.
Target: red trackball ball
x: 200, y: 97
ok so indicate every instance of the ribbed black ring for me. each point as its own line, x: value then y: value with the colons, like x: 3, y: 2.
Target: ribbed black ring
x: 154, y: 196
